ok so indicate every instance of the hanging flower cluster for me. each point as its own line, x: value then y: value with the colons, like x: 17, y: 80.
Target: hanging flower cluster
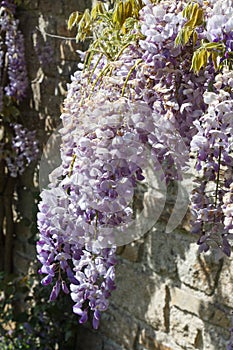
x: 13, y: 65
x: 24, y: 149
x: 135, y: 99
x: 212, y: 146
x: 18, y: 145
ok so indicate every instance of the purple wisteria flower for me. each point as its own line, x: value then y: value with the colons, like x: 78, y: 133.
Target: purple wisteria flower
x: 165, y: 82
x: 24, y: 149
x: 13, y: 53
x: 145, y: 105
x: 219, y: 23
x: 213, y: 148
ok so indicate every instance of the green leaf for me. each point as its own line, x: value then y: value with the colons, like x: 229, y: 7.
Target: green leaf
x: 214, y: 56
x: 194, y: 15
x: 128, y: 25
x: 186, y: 11
x: 191, y: 15
x: 73, y: 19
x: 195, y: 37
x: 183, y: 36
x: 118, y: 16
x: 13, y: 111
x: 199, y: 60
x: 68, y: 335
x: 97, y: 10
x: 84, y: 26
x: 128, y: 9
x: 199, y: 17
x: 213, y: 46
x: 202, y: 54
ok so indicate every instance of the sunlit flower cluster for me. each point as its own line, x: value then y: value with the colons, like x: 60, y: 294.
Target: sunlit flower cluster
x: 213, y: 147
x: 145, y: 104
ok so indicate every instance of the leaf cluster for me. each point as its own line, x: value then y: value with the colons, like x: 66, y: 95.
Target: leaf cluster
x: 195, y: 17
x: 42, y: 324
x: 213, y: 51
x: 110, y: 27
x: 207, y: 50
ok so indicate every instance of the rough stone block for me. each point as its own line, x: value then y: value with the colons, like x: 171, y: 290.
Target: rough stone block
x: 198, y: 271
x: 20, y: 261
x: 185, y: 301
x: 52, y: 7
x: 162, y: 250
x: 218, y: 317
x: 140, y: 293
x: 110, y: 345
x: 191, y: 333
x: 68, y: 51
x: 119, y: 326
x: 49, y: 84
x: 203, y: 307
x: 148, y: 339
x: 186, y: 330
x: 74, y: 5
x: 224, y: 289
x: 215, y: 338
x: 32, y: 5
x: 133, y: 251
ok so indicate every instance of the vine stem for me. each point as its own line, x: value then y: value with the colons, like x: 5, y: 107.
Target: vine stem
x: 55, y: 36
x: 2, y: 214
x: 95, y: 66
x: 96, y: 224
x: 128, y: 76
x: 218, y: 177
x: 72, y: 165
x: 102, y: 73
x: 8, y: 195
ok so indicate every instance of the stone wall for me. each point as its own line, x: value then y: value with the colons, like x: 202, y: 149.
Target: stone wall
x: 168, y: 297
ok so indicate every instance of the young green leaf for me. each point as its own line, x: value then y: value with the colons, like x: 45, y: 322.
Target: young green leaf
x: 97, y: 10
x: 74, y: 19
x: 118, y: 14
x: 194, y: 15
x: 84, y: 26
x: 199, y: 60
x: 128, y: 9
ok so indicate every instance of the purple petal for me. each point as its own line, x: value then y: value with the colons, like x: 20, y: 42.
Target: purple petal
x: 55, y: 291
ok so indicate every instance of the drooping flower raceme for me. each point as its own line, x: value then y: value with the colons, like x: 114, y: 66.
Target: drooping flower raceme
x: 18, y: 145
x: 119, y: 113
x: 213, y: 146
x: 12, y: 53
x: 79, y: 214
x: 219, y: 25
x: 22, y: 150
x: 175, y: 93
x: 17, y: 73
x: 228, y: 210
